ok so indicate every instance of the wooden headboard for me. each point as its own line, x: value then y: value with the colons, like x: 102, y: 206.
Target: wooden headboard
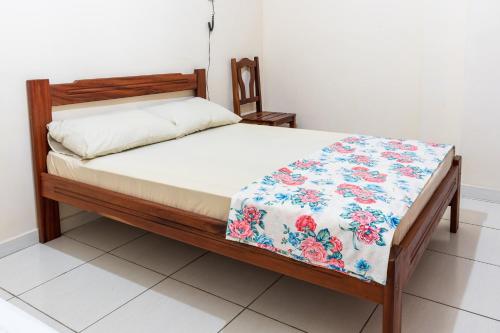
x: 92, y: 90
x: 42, y: 96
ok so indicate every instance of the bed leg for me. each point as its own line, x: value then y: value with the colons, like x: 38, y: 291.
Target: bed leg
x: 49, y: 223
x: 40, y: 113
x: 393, y: 297
x: 455, y: 213
x: 455, y: 202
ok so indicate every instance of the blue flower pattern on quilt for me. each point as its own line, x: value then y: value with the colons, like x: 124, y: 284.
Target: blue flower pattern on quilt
x: 339, y: 207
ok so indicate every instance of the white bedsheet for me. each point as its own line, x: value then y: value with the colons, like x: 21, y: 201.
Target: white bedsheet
x: 201, y: 172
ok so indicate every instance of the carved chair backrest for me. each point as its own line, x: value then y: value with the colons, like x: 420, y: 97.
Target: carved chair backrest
x: 241, y: 93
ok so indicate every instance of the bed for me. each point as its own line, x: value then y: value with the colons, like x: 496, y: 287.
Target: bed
x: 189, y: 201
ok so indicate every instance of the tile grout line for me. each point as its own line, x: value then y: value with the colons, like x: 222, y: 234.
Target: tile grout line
x: 207, y: 292
x: 109, y: 252
x: 100, y: 217
x: 246, y: 307
x: 277, y: 320
x: 128, y: 242
x: 461, y: 257
x: 38, y: 243
x: 265, y: 290
x: 195, y: 259
x: 447, y: 219
x: 369, y: 317
x: 80, y: 265
x: 146, y: 290
x: 190, y: 285
x: 480, y: 226
x: 115, y: 255
x: 130, y: 300
x: 237, y: 304
x: 106, y: 251
x: 47, y: 315
x: 451, y: 306
x: 86, y: 262
x: 140, y: 265
x: 153, y: 270
x: 262, y: 294
x: 268, y: 316
x: 230, y: 321
x: 8, y: 293
x: 19, y: 250
x: 145, y: 267
x: 62, y: 219
x: 59, y: 275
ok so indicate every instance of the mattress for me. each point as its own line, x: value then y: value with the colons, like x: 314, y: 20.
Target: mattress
x: 200, y: 173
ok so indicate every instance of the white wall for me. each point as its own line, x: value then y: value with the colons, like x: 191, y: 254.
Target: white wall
x: 66, y: 40
x: 349, y: 66
x: 425, y: 69
x: 480, y: 133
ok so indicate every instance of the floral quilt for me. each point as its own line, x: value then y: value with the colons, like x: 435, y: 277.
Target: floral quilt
x: 338, y: 208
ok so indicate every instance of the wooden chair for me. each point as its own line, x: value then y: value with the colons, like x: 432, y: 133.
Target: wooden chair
x: 240, y: 96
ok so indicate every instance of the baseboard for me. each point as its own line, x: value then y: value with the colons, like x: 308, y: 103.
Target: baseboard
x: 480, y: 193
x: 30, y: 238
x: 17, y: 243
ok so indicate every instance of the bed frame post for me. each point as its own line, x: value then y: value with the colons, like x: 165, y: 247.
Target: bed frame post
x: 393, y: 293
x: 40, y: 114
x: 455, y: 202
x: 201, y: 83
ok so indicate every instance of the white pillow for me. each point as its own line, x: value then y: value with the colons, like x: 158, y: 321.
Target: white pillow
x: 105, y: 134
x: 195, y: 114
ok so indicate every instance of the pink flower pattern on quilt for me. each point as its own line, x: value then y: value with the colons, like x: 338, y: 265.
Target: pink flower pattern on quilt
x: 339, y: 207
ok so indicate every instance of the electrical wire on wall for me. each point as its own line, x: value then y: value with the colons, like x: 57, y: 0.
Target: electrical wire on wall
x: 211, y: 27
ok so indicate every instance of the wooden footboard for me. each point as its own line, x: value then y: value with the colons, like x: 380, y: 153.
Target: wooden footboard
x: 406, y: 256
x: 202, y: 231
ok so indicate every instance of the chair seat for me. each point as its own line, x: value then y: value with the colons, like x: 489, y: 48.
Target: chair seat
x: 269, y: 118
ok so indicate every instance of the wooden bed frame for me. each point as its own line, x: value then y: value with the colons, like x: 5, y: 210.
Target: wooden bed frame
x: 202, y: 231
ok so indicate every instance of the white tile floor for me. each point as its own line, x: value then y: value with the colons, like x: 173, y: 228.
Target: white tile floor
x: 109, y: 277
